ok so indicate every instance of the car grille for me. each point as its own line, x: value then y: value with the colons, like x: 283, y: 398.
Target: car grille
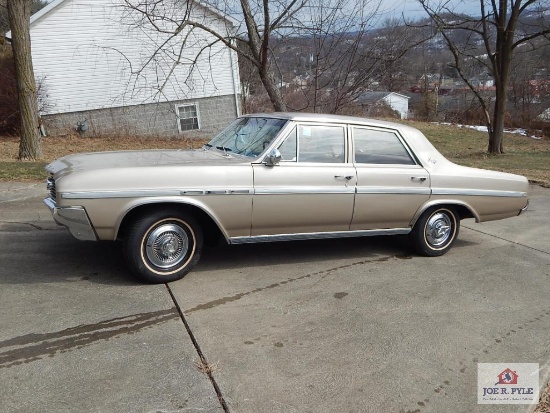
x: 50, y: 186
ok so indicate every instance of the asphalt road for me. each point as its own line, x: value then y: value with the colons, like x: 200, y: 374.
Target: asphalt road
x: 356, y: 325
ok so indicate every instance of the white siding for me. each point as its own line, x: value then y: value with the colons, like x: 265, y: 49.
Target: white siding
x: 90, y: 54
x: 400, y: 103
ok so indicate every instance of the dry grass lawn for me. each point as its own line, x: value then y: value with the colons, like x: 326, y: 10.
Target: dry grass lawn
x: 524, y: 155
x: 55, y: 147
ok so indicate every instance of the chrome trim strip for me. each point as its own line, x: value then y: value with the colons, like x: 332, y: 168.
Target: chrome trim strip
x: 318, y: 235
x: 443, y: 201
x: 118, y: 194
x: 394, y: 190
x: 305, y: 190
x: 478, y: 192
x: 153, y: 193
x: 290, y: 191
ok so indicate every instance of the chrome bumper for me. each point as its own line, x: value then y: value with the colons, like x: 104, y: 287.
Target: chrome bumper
x: 524, y: 208
x: 74, y: 218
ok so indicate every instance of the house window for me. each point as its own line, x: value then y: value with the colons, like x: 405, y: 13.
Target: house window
x: 188, y: 117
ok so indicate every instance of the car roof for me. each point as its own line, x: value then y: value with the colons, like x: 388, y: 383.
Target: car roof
x: 324, y: 117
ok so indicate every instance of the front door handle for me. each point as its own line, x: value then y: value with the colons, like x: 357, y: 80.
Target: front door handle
x: 341, y: 177
x: 418, y: 178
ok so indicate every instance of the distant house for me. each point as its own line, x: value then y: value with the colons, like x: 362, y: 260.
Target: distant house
x: 482, y: 82
x: 104, y: 70
x: 396, y: 101
x: 545, y: 115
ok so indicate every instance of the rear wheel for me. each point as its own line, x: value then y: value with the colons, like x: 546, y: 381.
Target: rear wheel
x: 163, y: 246
x: 435, y: 231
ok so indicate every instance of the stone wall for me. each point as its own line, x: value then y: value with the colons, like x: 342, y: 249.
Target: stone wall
x: 151, y: 120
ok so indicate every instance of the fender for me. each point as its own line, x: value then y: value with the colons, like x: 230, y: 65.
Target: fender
x: 436, y: 202
x: 191, y: 201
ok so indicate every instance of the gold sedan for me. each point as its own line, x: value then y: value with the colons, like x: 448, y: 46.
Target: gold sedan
x: 275, y: 177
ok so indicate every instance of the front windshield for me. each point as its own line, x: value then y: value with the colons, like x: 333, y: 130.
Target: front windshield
x: 248, y: 136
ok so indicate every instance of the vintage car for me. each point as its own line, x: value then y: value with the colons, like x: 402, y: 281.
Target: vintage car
x: 275, y: 177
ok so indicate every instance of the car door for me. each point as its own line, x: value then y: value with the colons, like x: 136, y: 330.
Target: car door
x: 391, y: 184
x: 311, y: 190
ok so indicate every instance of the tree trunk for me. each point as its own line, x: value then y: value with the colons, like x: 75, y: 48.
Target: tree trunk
x: 19, y: 12
x: 273, y: 91
x: 503, y: 62
x: 497, y: 133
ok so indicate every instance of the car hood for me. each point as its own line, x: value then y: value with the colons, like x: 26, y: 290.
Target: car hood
x: 94, y: 161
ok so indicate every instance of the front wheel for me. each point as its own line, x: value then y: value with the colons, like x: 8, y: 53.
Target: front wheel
x: 435, y: 231
x: 163, y: 246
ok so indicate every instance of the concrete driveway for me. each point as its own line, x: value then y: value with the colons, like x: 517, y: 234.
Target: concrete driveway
x: 357, y: 325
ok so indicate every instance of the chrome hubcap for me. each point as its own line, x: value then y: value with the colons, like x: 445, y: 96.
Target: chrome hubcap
x: 167, y: 245
x: 438, y: 229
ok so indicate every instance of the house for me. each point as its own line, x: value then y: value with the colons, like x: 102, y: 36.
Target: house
x: 508, y: 377
x: 103, y: 69
x: 396, y: 101
x: 545, y: 115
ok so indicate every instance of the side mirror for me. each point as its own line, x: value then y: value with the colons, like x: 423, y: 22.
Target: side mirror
x: 273, y: 158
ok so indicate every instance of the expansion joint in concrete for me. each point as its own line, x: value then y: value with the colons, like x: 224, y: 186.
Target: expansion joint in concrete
x: 203, y: 359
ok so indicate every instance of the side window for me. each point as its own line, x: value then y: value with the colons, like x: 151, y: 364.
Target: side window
x: 379, y: 147
x: 318, y: 143
x: 289, y: 147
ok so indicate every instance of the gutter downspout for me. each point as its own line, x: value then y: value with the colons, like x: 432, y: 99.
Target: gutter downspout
x: 233, y: 77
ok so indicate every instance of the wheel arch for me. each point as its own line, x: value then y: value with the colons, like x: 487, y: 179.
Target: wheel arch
x: 211, y: 228
x: 463, y: 209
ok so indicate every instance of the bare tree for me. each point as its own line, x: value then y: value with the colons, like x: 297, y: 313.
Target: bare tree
x: 490, y: 40
x: 339, y: 52
x: 260, y: 20
x: 529, y: 87
x: 19, y: 12
x: 4, y: 20
x: 394, y: 40
x: 336, y: 62
x: 332, y: 33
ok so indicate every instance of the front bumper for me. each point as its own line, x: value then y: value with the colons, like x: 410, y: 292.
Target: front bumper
x: 74, y: 218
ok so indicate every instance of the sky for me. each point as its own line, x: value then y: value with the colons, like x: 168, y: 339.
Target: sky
x: 413, y: 10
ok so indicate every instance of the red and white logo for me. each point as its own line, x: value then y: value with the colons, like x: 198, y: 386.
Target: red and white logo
x: 507, y: 377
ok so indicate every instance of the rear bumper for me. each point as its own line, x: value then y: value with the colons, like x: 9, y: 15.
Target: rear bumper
x: 74, y: 218
x: 524, y: 208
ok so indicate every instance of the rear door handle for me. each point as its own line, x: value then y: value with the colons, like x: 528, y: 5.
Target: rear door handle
x: 341, y: 177
x: 418, y: 178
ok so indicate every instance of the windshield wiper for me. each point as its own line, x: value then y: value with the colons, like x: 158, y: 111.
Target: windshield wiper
x: 224, y: 149
x: 206, y: 146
